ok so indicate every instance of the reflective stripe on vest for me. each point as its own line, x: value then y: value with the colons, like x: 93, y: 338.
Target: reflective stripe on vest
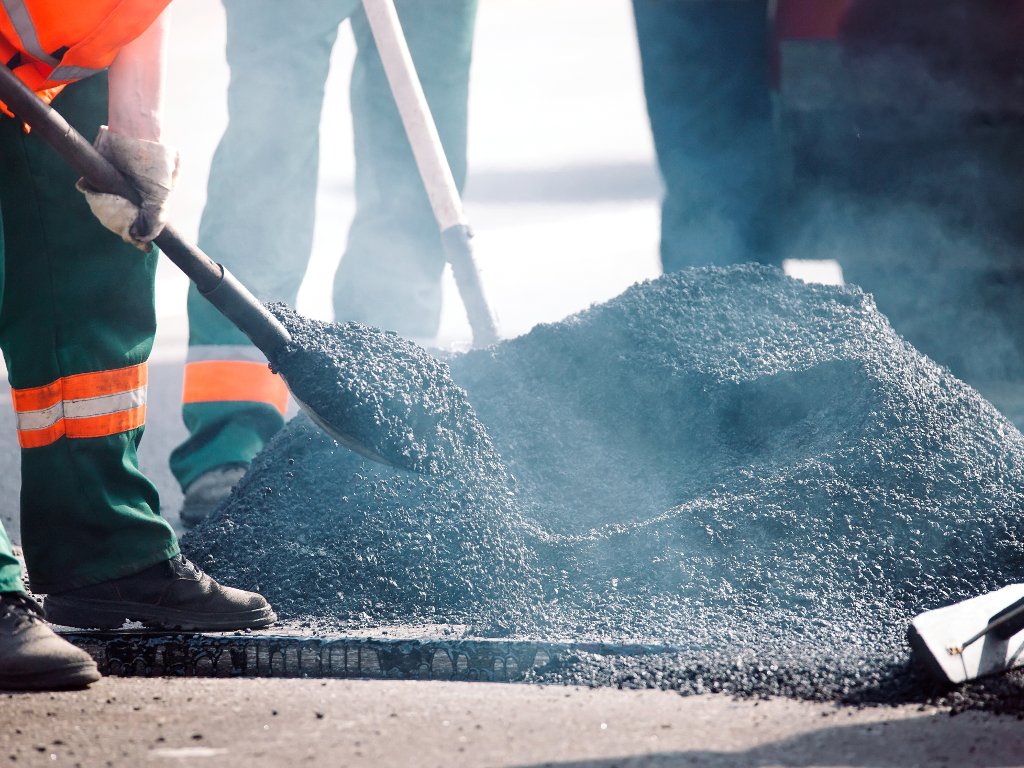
x: 70, y: 74
x: 26, y: 29
x: 84, y: 405
x: 232, y: 374
x: 61, y: 41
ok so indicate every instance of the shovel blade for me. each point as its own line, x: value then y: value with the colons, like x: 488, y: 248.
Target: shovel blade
x: 933, y: 633
x: 343, y: 438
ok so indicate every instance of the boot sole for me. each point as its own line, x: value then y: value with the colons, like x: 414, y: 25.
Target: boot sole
x: 103, y: 614
x: 71, y: 676
x: 190, y: 517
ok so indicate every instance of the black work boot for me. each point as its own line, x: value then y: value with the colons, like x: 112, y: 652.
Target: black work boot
x: 32, y: 657
x: 173, y: 594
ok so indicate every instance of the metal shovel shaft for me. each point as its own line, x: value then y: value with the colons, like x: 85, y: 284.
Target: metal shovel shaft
x: 214, y: 282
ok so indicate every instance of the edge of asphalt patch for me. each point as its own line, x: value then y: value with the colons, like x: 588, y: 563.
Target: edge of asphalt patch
x: 397, y: 654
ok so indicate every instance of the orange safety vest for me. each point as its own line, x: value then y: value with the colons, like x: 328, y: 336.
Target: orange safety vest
x: 50, y: 43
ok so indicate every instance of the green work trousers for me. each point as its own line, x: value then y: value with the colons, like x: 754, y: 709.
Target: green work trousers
x: 259, y: 214
x: 75, y: 300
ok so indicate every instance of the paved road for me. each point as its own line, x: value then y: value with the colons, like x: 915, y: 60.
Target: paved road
x: 385, y: 723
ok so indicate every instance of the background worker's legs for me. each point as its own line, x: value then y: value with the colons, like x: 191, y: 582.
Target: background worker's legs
x: 258, y: 219
x: 706, y: 70
x: 390, y: 275
x: 260, y: 210
x: 76, y: 300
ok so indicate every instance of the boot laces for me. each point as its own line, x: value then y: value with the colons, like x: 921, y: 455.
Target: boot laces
x: 185, y: 568
x: 21, y: 607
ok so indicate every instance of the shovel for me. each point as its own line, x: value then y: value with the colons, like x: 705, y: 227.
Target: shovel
x: 432, y: 163
x: 973, y: 638
x: 215, y: 283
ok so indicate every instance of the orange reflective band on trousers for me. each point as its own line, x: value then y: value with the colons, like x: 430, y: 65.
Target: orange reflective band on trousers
x: 84, y: 405
x: 220, y: 381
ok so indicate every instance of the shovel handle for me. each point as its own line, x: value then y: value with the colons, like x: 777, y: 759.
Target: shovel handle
x: 212, y: 280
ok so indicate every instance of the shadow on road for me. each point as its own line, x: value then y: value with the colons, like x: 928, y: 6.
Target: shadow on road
x: 928, y: 740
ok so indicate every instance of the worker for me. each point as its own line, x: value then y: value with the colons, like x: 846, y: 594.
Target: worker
x: 259, y: 214
x: 77, y: 321
x: 707, y: 80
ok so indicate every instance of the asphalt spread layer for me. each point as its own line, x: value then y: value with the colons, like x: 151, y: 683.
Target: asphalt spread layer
x: 753, y: 470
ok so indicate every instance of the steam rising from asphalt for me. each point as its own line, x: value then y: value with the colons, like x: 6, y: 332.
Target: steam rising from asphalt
x: 906, y: 141
x: 729, y: 462
x: 759, y: 473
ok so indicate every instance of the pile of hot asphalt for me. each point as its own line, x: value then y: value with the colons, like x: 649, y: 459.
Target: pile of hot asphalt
x: 755, y: 472
x: 386, y: 397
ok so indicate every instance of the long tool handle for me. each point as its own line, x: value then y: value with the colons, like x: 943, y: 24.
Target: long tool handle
x: 1010, y: 619
x: 213, y: 281
x: 432, y: 163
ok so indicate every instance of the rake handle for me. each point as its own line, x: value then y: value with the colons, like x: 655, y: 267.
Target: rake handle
x: 432, y: 163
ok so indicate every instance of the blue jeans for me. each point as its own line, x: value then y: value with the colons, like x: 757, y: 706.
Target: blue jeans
x: 707, y: 80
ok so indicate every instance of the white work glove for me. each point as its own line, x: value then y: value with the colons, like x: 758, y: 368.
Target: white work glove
x: 152, y: 168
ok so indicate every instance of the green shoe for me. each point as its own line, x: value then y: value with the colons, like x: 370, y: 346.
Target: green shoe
x: 32, y: 656
x: 173, y: 594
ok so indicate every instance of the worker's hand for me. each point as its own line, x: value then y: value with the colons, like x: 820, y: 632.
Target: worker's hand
x: 152, y: 168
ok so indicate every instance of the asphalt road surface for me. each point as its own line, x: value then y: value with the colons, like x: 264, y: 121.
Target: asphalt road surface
x: 383, y: 723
